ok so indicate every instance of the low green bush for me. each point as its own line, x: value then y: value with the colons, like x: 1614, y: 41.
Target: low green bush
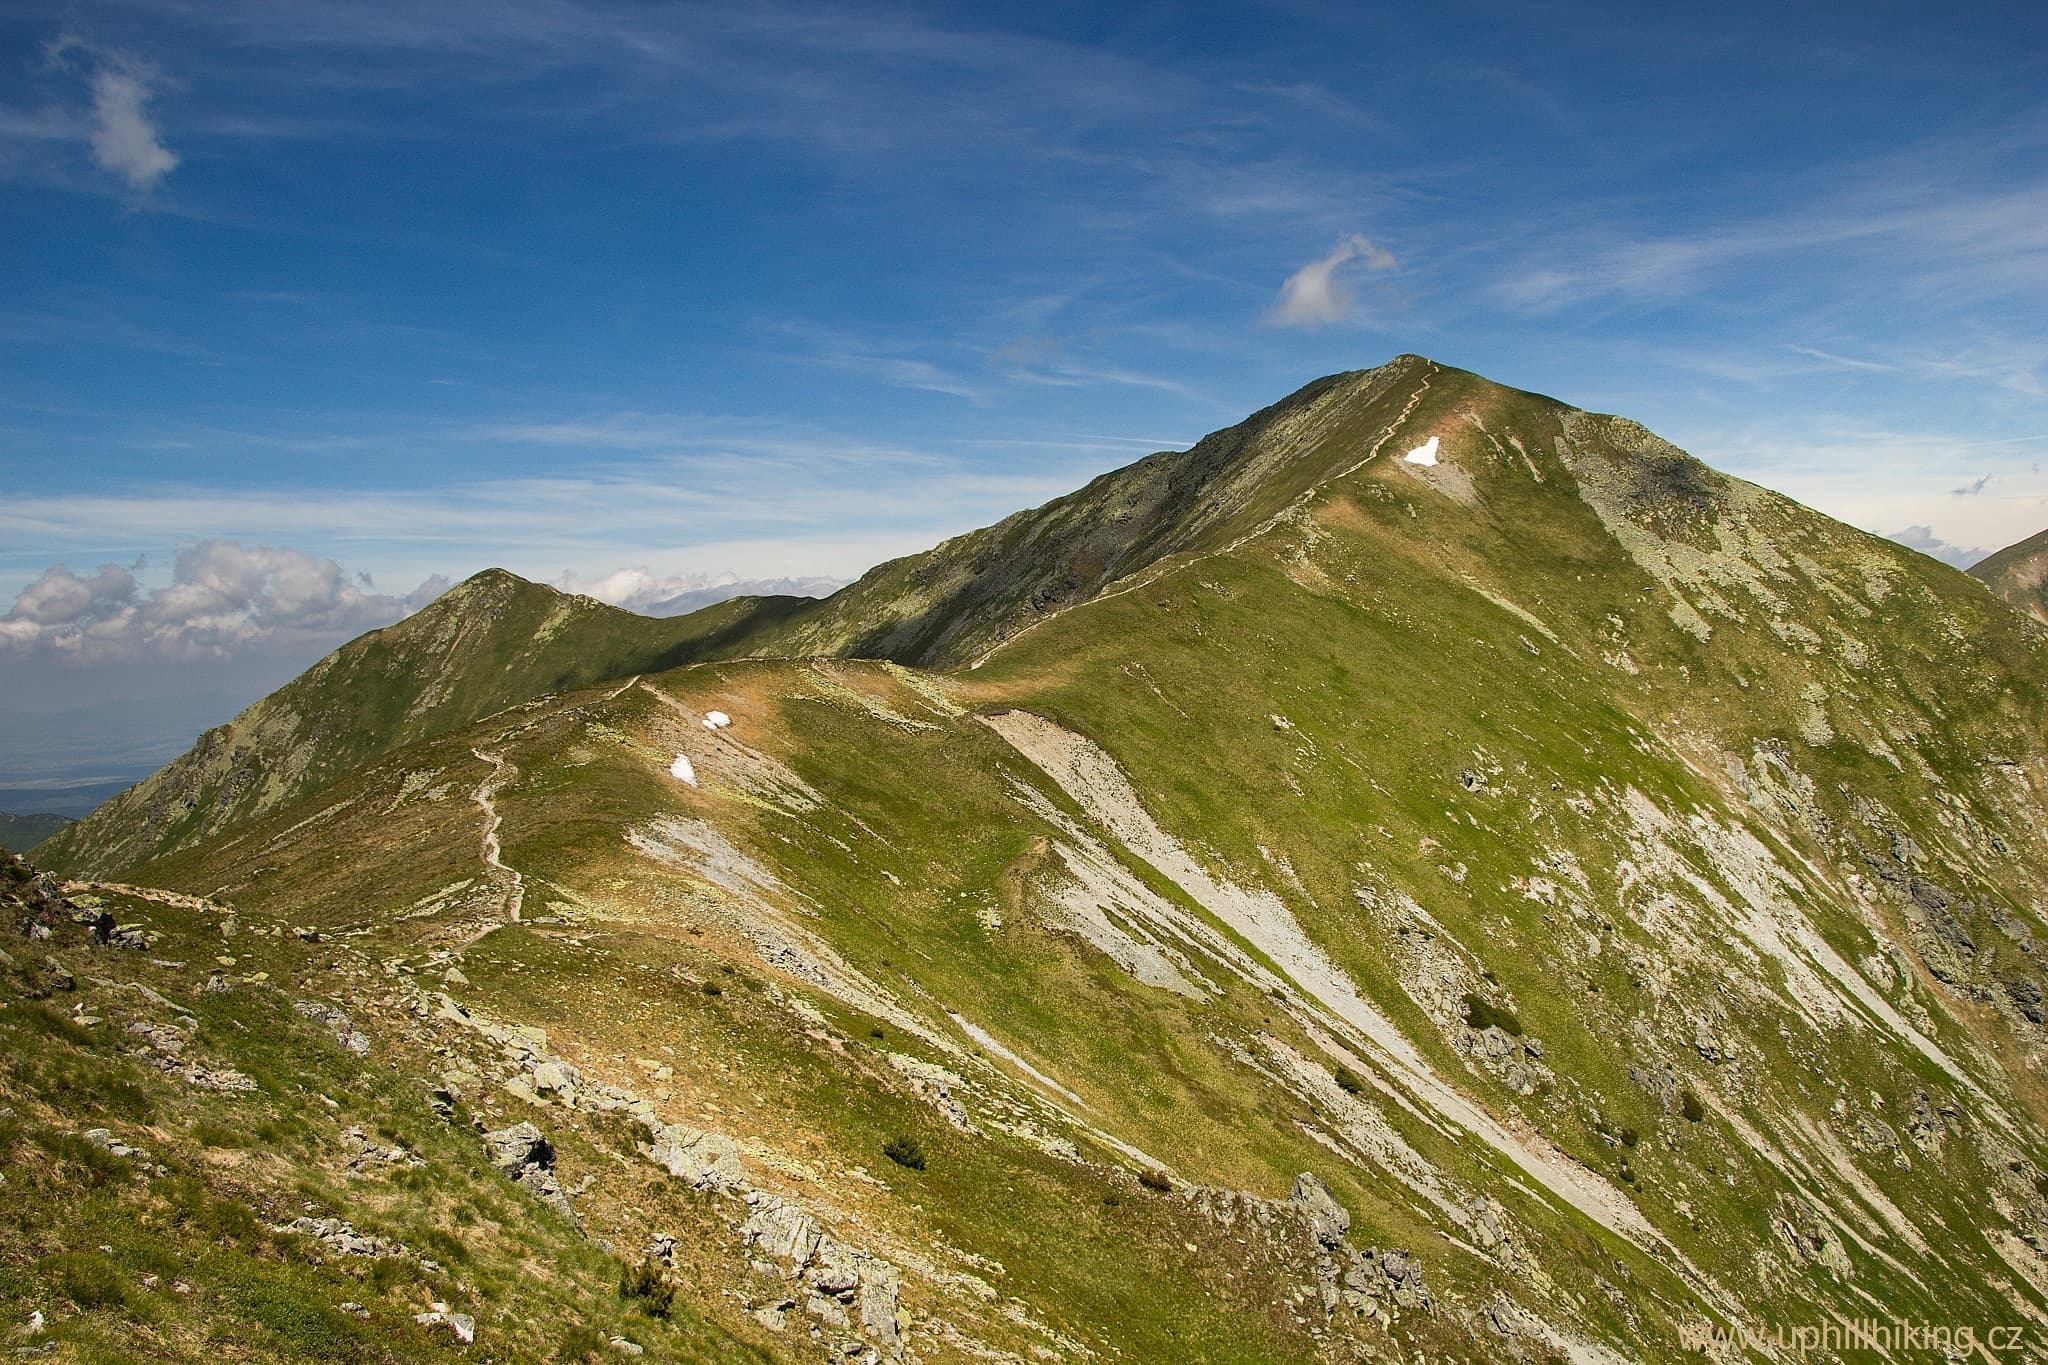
x: 646, y: 1287
x: 1482, y: 1014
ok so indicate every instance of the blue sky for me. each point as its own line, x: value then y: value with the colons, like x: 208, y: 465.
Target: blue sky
x: 308, y: 307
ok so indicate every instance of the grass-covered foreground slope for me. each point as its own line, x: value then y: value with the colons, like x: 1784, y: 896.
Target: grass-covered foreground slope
x: 1618, y: 887
x: 215, y: 1146
x: 490, y: 642
x: 2019, y: 574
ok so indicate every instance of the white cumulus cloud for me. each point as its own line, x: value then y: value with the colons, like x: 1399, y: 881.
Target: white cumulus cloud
x: 124, y: 140
x: 650, y: 594
x: 1923, y: 539
x: 223, y: 597
x: 123, y: 136
x: 1317, y: 294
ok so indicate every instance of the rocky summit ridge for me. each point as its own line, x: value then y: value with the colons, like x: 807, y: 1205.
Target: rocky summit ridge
x: 1428, y: 873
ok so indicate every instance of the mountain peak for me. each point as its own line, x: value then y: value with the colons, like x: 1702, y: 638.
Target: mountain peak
x: 497, y: 578
x: 2019, y: 574
x: 493, y: 640
x: 953, y: 603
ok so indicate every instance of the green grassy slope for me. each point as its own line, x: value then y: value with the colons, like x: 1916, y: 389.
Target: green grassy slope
x: 148, y: 1216
x: 21, y: 832
x: 1622, y: 886
x: 491, y: 642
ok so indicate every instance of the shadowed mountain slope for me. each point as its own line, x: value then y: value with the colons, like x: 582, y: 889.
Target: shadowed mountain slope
x: 2019, y: 574
x: 949, y: 605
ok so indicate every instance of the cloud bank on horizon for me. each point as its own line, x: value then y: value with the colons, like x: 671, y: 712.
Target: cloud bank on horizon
x: 662, y: 303
x: 223, y: 597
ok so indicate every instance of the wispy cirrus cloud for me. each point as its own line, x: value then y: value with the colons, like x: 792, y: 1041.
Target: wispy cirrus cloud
x: 896, y: 364
x: 678, y: 493
x: 1045, y: 361
x: 1934, y: 228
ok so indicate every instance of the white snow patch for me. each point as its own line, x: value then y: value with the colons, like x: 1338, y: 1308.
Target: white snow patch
x: 1424, y: 453
x: 682, y: 768
x: 716, y: 720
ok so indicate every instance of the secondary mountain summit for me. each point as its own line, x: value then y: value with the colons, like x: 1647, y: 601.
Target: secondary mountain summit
x: 1427, y: 873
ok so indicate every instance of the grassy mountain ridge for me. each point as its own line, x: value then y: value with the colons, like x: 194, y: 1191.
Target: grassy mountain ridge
x: 492, y: 641
x: 473, y: 650
x: 2019, y: 574
x: 1620, y: 887
x: 950, y: 604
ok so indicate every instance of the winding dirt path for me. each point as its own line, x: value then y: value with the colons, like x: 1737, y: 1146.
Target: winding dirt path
x: 502, y: 772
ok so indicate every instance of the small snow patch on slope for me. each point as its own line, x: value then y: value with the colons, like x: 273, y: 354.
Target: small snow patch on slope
x: 683, y: 769
x: 1424, y: 453
x: 716, y: 720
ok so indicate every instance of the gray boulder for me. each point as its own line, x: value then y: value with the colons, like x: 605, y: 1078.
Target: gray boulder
x: 1328, y: 1219
x: 513, y: 1150
x: 525, y: 1155
x: 708, y: 1161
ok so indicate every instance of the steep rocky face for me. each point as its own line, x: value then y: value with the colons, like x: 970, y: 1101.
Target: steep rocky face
x: 1538, y: 899
x: 2019, y: 574
x: 490, y: 642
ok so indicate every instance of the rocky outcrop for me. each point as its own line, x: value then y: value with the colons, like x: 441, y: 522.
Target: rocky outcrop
x: 1328, y: 1220
x: 361, y: 1154
x: 936, y: 1086
x: 1374, y: 1282
x: 525, y: 1156
x: 341, y: 1237
x: 829, y: 1278
x: 460, y: 1325
x: 703, y: 1160
x: 352, y: 1039
x: 164, y: 1047
x: 834, y: 1285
